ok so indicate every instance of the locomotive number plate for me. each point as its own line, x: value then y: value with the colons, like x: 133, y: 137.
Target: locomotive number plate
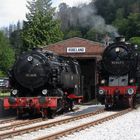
x: 31, y: 75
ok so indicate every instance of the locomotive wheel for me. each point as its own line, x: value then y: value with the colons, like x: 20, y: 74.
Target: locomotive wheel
x: 50, y: 113
x: 44, y: 113
x: 31, y: 113
x: 106, y: 104
x: 19, y: 114
x: 108, y: 107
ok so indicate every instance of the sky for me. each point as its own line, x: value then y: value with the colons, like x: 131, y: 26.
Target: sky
x: 13, y: 10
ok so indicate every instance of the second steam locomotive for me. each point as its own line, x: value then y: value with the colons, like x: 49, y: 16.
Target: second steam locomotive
x: 43, y: 82
x: 117, y: 74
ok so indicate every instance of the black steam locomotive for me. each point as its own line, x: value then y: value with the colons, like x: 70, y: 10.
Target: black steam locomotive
x: 117, y: 74
x: 43, y: 82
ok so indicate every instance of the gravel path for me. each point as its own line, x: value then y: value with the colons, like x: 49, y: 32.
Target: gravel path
x: 126, y: 127
x: 62, y: 127
x: 82, y: 110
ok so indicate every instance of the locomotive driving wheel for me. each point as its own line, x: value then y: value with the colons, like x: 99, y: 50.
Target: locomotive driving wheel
x: 19, y: 113
x: 106, y: 104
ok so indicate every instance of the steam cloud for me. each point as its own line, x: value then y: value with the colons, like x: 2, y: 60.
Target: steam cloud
x: 96, y: 22
x: 86, y: 16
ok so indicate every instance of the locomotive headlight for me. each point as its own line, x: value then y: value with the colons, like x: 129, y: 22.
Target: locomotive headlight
x: 30, y: 58
x: 102, y: 81
x: 117, y: 49
x: 131, y: 81
x: 14, y: 91
x: 130, y: 91
x: 44, y: 91
x: 101, y: 91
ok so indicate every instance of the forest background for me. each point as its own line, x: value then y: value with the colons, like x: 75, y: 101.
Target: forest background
x: 100, y: 21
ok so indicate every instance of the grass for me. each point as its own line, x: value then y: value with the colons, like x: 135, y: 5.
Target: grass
x: 4, y: 94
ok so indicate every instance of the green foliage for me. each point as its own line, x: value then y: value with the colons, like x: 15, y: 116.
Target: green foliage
x: 2, y: 74
x: 73, y: 33
x: 90, y: 21
x: 129, y: 26
x: 91, y: 34
x: 41, y: 28
x: 16, y: 41
x: 106, y: 8
x: 6, y: 54
x: 4, y: 93
x: 135, y: 40
x: 133, y: 25
x: 123, y: 14
x: 94, y: 35
x: 109, y: 8
x: 121, y: 24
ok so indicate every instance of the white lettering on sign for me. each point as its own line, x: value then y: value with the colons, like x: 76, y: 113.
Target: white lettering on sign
x: 76, y: 50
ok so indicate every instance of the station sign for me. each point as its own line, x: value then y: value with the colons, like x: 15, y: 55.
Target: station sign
x: 76, y: 50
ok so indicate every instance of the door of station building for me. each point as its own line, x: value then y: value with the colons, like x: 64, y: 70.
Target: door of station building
x: 88, y: 71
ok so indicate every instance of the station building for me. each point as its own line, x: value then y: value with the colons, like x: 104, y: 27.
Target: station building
x: 87, y: 53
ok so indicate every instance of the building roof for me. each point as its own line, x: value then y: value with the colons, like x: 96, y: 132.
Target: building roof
x: 91, y: 47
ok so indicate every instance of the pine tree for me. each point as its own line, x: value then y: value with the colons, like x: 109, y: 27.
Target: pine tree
x: 6, y: 54
x: 41, y: 28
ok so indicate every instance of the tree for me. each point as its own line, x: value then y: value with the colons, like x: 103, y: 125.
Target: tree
x: 41, y: 27
x: 135, y: 40
x: 73, y: 33
x: 95, y: 35
x: 64, y: 16
x: 6, y: 54
x: 122, y: 25
x: 108, y: 8
x: 15, y: 39
x: 133, y: 25
x: 129, y: 26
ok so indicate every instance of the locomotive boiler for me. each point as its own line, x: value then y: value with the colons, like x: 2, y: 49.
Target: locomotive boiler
x: 117, y: 74
x: 43, y: 82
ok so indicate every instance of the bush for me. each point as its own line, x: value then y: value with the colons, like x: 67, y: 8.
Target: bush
x: 2, y: 74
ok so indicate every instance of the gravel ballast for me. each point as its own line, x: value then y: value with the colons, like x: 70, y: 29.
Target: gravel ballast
x: 126, y: 127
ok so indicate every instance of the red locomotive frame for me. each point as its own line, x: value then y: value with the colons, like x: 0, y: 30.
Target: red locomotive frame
x: 111, y: 91
x: 21, y: 104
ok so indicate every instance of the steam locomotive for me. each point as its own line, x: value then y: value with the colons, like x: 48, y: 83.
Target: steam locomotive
x: 44, y: 82
x: 117, y: 75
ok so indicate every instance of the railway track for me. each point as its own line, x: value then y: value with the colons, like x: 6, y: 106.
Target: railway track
x: 7, y: 120
x: 12, y: 133
x: 21, y: 123
x: 82, y: 127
